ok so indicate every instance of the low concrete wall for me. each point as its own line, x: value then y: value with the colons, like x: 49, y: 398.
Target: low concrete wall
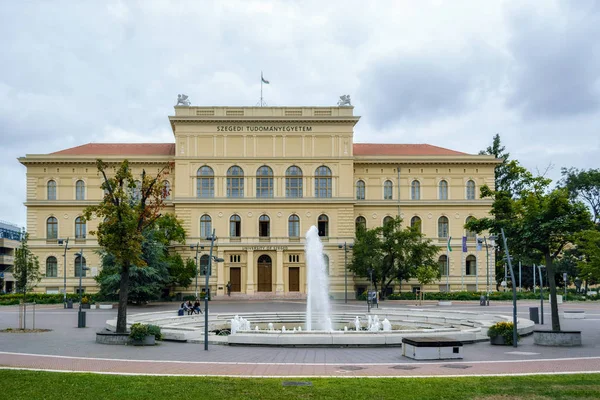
x: 557, y: 338
x: 112, y: 338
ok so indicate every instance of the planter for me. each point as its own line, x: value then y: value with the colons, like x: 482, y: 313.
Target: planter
x: 106, y: 337
x: 557, y: 338
x: 92, y: 306
x: 85, y: 306
x: 106, y: 306
x: 444, y: 303
x: 498, y: 341
x: 149, y: 340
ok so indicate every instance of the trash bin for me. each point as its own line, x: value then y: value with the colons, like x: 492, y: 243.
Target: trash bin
x: 69, y: 303
x: 534, y: 315
x: 482, y: 300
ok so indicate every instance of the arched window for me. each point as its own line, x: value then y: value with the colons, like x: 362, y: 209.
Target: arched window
x: 205, y: 226
x: 80, y: 190
x: 471, y: 265
x: 326, y: 263
x: 294, y: 226
x: 360, y: 224
x: 323, y: 182
x: 264, y: 182
x: 51, y: 190
x: 205, y: 182
x: 443, y: 227
x: 235, y: 226
x: 443, y: 265
x: 470, y: 234
x: 360, y: 190
x: 293, y: 182
x: 323, y: 225
x: 235, y: 182
x: 79, y: 263
x: 264, y: 226
x: 136, y: 194
x: 387, y: 220
x: 470, y: 190
x: 415, y: 222
x: 79, y: 228
x: 166, y: 190
x: 415, y: 190
x: 204, y: 265
x: 443, y: 195
x: 51, y: 267
x: 51, y: 228
x: 388, y: 188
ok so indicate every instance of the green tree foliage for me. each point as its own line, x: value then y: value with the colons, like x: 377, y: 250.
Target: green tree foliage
x: 392, y: 253
x: 588, y: 244
x: 584, y: 185
x: 427, y: 274
x: 181, y: 273
x: 26, y: 269
x: 126, y: 211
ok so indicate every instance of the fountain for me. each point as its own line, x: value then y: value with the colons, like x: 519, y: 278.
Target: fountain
x: 317, y: 302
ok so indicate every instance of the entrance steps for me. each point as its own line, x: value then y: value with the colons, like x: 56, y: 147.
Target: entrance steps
x: 262, y: 296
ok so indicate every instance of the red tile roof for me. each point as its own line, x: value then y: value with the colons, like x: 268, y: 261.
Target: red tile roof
x: 120, y: 149
x: 376, y: 149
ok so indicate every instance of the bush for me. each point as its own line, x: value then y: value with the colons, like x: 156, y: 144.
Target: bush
x: 504, y: 329
x: 139, y: 331
x: 155, y: 330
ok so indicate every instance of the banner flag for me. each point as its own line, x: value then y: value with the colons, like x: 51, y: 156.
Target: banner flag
x: 464, y: 243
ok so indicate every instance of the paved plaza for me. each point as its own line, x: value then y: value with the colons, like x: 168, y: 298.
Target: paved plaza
x: 68, y: 348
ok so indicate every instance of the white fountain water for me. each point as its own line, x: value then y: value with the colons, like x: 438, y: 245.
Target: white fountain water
x: 317, y: 303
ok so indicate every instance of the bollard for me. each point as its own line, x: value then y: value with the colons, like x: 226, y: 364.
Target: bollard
x: 534, y: 315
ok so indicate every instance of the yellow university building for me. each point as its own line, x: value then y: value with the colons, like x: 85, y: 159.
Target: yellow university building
x: 261, y: 176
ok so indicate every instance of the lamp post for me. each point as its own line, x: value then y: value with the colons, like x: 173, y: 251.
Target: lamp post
x: 197, y: 246
x: 345, y: 246
x: 541, y: 293
x: 212, y: 239
x: 370, y: 271
x: 66, y: 243
x: 80, y: 313
x: 487, y: 268
x: 514, y: 289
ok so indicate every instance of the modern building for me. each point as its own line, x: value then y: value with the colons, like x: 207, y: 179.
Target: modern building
x: 261, y: 176
x: 10, y: 237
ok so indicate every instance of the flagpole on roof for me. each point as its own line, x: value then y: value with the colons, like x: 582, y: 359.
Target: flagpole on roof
x: 262, y: 80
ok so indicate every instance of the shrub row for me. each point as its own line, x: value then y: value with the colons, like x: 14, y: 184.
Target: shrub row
x: 476, y: 295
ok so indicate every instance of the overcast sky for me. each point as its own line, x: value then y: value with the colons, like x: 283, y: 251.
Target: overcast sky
x: 451, y: 73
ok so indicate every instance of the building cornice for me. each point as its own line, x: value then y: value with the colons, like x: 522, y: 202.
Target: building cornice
x: 46, y: 159
x: 425, y: 159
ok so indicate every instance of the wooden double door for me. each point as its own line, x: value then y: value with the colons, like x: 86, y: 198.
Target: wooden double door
x: 294, y: 279
x: 265, y: 274
x: 235, y: 278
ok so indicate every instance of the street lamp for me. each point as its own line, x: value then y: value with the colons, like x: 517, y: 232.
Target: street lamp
x: 514, y: 289
x: 211, y: 258
x: 345, y: 246
x: 370, y: 272
x: 198, y: 247
x: 80, y: 313
x: 487, y: 263
x: 66, y: 243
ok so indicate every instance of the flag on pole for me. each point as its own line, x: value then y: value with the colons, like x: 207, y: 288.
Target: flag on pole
x: 449, y: 239
x: 263, y: 80
x: 464, y: 244
x: 479, y: 242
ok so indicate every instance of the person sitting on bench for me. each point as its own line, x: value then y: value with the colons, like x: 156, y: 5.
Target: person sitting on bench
x: 197, y: 308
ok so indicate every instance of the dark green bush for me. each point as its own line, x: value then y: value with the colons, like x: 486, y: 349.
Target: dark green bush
x: 155, y: 330
x: 139, y: 331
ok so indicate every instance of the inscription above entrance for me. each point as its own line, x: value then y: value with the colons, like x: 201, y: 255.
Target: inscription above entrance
x: 249, y: 128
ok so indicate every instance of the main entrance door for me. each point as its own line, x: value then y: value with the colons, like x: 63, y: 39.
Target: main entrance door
x: 294, y: 279
x: 235, y: 278
x: 265, y: 273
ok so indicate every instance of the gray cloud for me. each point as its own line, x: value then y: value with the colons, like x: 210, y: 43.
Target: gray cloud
x: 556, y: 60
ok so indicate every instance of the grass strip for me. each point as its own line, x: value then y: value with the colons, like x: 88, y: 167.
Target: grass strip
x: 56, y: 385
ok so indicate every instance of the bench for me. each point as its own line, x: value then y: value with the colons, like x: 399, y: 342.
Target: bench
x: 431, y: 348
x: 574, y: 314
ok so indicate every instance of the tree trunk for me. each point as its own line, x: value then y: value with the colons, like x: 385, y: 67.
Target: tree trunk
x: 123, y: 294
x: 552, y: 285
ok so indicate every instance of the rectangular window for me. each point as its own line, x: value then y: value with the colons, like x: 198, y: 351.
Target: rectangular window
x: 293, y: 187
x: 235, y: 187
x: 206, y: 187
x: 323, y: 187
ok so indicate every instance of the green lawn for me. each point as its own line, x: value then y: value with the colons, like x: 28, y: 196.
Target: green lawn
x: 53, y: 385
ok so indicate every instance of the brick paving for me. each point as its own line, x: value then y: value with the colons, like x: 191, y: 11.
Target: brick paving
x: 67, y: 348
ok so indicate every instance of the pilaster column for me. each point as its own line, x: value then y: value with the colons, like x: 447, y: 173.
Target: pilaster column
x: 250, y: 272
x: 279, y: 284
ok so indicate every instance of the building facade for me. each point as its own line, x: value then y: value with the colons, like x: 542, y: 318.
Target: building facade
x: 261, y: 177
x: 10, y: 237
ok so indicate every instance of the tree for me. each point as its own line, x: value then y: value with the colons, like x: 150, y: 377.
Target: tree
x: 588, y: 244
x: 26, y: 269
x: 126, y: 211
x: 584, y: 185
x: 392, y: 253
x: 427, y: 274
x: 181, y: 273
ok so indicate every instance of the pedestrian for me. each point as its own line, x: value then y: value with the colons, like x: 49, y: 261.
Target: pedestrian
x: 197, y: 307
x: 229, y: 289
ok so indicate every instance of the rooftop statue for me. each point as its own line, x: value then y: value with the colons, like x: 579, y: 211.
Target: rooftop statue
x: 182, y: 99
x: 344, y: 101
